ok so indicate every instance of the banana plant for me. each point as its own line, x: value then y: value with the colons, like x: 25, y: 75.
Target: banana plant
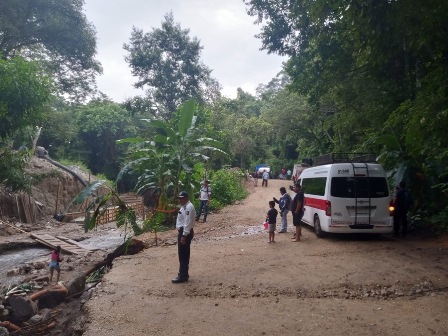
x: 167, y: 162
x: 97, y: 206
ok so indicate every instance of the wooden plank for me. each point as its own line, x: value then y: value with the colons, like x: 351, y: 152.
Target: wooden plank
x: 74, y: 242
x: 52, y: 242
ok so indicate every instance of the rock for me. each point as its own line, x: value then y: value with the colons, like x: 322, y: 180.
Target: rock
x: 4, y: 331
x: 22, y: 308
x: 76, y: 285
x: 39, y: 265
x: 35, y: 319
x: 45, y: 313
x: 51, y: 299
x: 14, y: 271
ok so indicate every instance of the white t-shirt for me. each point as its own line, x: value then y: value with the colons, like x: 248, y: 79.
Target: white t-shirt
x: 185, y: 218
x: 265, y: 176
x: 205, y: 192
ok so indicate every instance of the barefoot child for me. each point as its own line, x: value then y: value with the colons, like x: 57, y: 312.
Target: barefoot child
x: 54, y: 263
x: 271, y: 218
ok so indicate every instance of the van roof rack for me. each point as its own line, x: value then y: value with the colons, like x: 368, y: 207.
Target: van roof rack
x: 344, y: 158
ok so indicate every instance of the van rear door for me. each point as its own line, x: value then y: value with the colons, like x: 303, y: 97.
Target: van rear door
x: 360, y: 198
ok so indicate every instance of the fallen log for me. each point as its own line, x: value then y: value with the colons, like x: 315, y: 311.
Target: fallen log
x: 54, y: 288
x: 10, y: 326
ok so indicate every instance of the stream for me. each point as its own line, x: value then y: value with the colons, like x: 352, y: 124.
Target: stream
x: 16, y: 258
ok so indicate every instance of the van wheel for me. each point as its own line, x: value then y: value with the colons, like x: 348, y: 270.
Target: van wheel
x: 317, y: 228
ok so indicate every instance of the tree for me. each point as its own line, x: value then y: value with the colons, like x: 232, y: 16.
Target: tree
x: 25, y: 93
x: 100, y: 124
x: 377, y: 69
x: 170, y: 159
x: 167, y: 63
x: 56, y: 33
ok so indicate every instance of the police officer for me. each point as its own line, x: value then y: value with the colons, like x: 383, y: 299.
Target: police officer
x: 184, y: 225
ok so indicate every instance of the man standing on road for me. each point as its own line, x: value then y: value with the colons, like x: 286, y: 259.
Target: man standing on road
x: 265, y: 178
x: 184, y: 226
x: 204, y: 200
x: 297, y: 211
x: 401, y: 204
x: 284, y: 202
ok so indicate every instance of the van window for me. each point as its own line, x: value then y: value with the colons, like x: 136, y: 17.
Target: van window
x: 314, y: 186
x: 359, y: 187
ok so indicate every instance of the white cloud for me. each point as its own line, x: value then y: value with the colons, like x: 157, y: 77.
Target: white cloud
x: 225, y: 30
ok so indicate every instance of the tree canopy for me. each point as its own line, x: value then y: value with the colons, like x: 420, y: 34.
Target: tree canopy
x: 25, y: 93
x: 56, y: 33
x: 167, y: 63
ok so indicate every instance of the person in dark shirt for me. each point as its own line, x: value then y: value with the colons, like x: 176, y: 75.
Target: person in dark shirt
x: 271, y: 218
x: 297, y: 210
x: 401, y: 210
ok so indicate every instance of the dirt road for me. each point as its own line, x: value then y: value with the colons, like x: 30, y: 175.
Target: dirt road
x: 240, y: 285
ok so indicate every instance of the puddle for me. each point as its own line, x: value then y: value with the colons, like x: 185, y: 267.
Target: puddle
x: 246, y: 231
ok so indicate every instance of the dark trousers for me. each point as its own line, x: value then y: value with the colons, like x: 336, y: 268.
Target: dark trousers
x: 202, y: 205
x: 264, y: 183
x: 400, y: 221
x: 184, y: 253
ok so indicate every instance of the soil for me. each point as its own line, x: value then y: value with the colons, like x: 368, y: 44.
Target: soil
x: 240, y: 285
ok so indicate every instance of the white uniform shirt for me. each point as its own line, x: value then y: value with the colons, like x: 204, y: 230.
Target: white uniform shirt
x: 205, y: 192
x: 185, y: 218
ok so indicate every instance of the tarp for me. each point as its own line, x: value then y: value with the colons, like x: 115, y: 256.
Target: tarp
x: 261, y: 165
x: 262, y: 169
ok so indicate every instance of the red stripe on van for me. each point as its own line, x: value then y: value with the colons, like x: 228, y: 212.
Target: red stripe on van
x: 315, y: 203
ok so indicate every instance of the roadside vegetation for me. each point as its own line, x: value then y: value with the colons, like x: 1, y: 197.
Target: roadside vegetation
x: 363, y: 77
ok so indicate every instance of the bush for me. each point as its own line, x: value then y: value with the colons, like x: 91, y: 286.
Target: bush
x: 227, y: 187
x: 440, y: 221
x: 12, y: 169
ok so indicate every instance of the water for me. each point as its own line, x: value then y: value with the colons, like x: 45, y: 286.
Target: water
x: 110, y: 241
x: 17, y: 258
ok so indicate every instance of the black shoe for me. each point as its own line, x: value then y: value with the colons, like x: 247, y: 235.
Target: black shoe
x: 179, y: 280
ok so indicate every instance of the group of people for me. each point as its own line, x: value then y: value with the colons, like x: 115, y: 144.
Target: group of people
x: 187, y: 216
x: 286, y: 204
x: 285, y: 174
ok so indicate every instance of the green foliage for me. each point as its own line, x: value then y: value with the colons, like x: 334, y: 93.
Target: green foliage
x: 440, y: 221
x: 170, y: 160
x: 166, y: 61
x: 100, y: 124
x: 375, y: 77
x: 24, y: 95
x: 55, y: 33
x: 97, y: 206
x: 12, y: 169
x: 227, y: 187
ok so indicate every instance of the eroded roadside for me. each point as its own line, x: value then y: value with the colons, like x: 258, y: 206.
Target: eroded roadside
x: 240, y: 285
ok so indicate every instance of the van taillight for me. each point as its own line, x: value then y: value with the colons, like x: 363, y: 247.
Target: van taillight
x: 328, y: 208
x: 391, y: 208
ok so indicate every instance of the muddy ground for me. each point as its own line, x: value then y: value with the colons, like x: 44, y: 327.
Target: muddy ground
x: 240, y: 285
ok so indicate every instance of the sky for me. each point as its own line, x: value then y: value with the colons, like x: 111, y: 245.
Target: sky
x: 225, y: 31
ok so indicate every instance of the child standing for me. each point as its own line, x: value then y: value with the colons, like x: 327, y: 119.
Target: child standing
x: 271, y: 218
x: 55, y: 259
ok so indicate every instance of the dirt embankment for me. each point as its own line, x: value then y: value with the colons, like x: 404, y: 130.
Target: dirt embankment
x: 240, y: 285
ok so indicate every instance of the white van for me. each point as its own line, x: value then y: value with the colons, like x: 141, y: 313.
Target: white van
x: 347, y: 198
